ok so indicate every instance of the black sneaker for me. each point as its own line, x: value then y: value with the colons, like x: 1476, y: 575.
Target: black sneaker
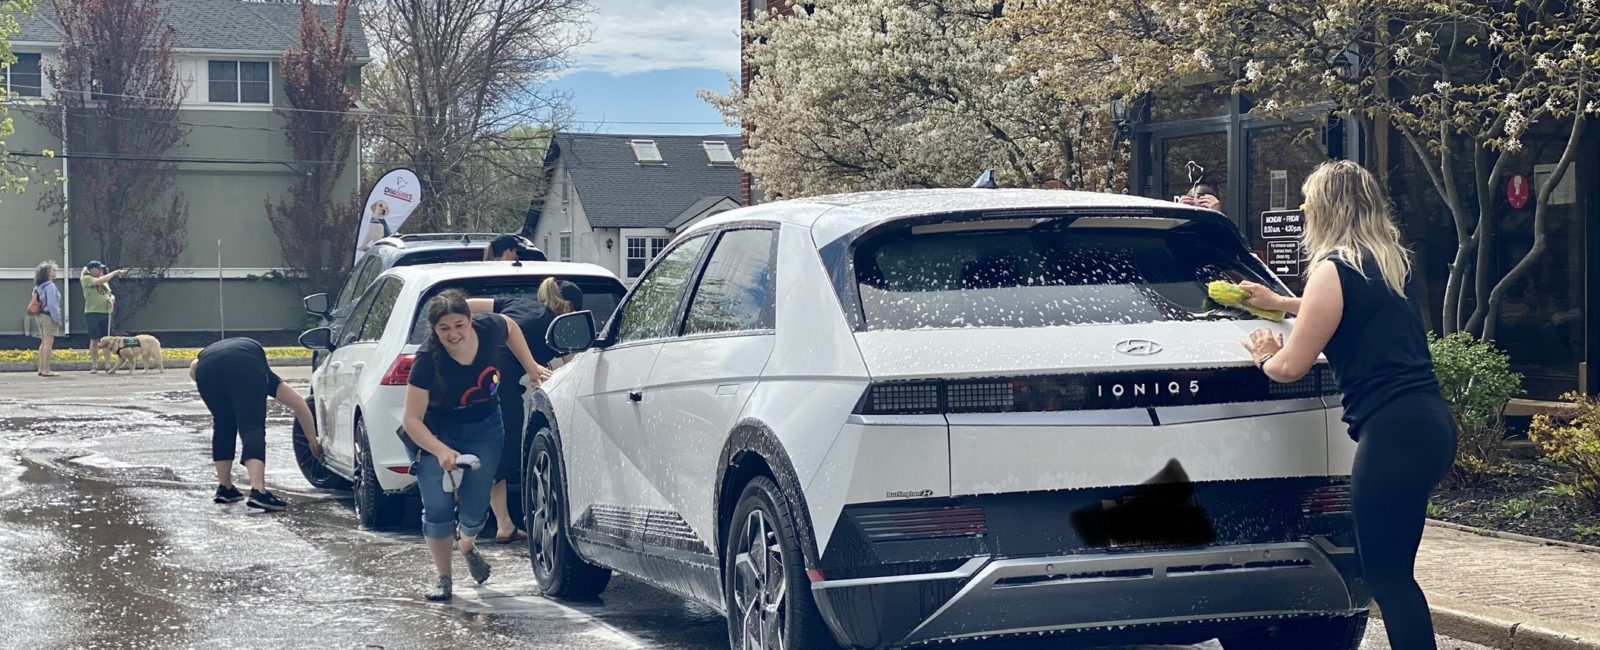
x: 227, y: 494
x: 266, y: 501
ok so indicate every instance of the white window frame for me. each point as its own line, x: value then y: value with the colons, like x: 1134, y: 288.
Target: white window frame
x: 718, y: 146
x: 238, y: 84
x: 565, y: 251
x: 652, y: 243
x: 642, y: 150
x: 42, y: 80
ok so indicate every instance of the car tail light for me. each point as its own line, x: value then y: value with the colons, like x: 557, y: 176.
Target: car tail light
x: 400, y: 371
x: 1327, y: 500
x: 400, y: 469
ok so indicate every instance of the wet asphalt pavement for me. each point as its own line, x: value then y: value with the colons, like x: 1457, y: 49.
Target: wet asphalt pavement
x: 109, y: 539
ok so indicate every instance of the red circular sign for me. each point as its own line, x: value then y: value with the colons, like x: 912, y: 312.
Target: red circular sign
x: 1517, y: 190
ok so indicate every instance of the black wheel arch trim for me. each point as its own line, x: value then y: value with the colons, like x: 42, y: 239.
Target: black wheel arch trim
x: 752, y: 436
x: 544, y: 408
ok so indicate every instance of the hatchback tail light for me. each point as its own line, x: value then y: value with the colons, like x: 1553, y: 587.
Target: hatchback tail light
x: 400, y: 371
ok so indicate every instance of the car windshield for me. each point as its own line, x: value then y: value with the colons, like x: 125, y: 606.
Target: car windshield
x: 1044, y: 275
x: 600, y: 296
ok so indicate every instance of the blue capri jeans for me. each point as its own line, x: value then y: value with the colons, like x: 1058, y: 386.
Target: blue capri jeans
x: 440, y: 513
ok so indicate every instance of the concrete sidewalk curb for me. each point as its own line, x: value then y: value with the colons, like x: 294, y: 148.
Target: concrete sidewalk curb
x: 83, y: 366
x: 1507, y: 629
x: 1515, y: 536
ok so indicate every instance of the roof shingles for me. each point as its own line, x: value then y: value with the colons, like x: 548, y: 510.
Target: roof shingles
x: 229, y: 25
x: 618, y: 192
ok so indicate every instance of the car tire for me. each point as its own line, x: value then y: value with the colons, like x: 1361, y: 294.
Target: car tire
x: 374, y: 509
x: 1338, y: 633
x: 316, y: 472
x: 556, y: 565
x: 764, y: 581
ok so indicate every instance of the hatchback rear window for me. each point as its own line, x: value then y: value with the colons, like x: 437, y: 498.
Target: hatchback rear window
x: 1046, y: 274
x: 440, y: 256
x: 600, y: 296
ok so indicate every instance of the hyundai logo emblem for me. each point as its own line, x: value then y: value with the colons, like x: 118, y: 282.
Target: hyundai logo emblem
x: 1138, y: 347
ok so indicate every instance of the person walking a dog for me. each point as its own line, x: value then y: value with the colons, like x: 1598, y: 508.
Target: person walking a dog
x: 98, y: 301
x: 235, y: 381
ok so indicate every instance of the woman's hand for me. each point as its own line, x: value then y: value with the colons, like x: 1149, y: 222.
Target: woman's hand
x: 1262, y: 342
x: 1261, y: 297
x: 538, y: 374
x: 447, y: 459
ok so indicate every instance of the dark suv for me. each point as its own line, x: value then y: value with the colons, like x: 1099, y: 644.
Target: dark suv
x: 404, y: 250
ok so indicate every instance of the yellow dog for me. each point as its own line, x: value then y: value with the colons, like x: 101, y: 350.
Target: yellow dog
x: 143, y: 350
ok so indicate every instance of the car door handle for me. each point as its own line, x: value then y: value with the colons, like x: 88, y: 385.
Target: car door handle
x: 336, y: 365
x: 635, y: 396
x: 726, y: 390
x: 358, y: 365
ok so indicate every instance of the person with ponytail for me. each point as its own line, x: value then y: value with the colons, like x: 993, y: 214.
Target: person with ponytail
x: 1360, y: 309
x: 452, y: 408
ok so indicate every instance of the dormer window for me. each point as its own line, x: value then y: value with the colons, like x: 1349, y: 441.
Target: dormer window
x: 718, y: 152
x: 645, y: 152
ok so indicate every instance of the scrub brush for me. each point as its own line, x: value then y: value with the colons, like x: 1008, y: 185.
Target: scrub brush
x: 1232, y: 295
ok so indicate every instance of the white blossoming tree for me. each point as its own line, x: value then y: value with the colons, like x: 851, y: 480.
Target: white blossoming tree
x: 884, y: 94
x: 1463, y: 82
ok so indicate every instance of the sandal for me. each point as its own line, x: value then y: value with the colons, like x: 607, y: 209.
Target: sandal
x: 516, y: 535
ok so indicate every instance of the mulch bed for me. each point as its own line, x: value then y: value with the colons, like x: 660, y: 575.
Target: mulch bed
x: 1523, y: 497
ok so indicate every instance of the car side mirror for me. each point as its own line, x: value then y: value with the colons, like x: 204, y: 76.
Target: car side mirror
x: 320, y: 338
x: 572, y: 332
x: 318, y: 304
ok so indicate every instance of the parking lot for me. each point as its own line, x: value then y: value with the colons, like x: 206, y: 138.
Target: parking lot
x: 108, y: 538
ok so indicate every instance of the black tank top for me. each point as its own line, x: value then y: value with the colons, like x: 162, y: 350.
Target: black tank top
x: 1379, y: 352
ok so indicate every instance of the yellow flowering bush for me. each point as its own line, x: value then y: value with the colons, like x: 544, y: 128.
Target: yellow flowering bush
x: 1573, y: 439
x: 170, y: 354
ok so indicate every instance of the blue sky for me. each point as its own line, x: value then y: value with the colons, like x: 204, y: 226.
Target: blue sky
x: 645, y: 62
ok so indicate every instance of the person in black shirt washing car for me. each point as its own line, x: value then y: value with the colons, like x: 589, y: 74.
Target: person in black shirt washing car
x: 235, y: 381
x: 533, y: 317
x: 452, y: 408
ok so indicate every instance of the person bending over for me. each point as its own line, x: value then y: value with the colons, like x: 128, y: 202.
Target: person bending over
x: 235, y: 381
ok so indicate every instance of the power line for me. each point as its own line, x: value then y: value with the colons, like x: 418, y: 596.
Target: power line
x: 370, y: 113
x: 290, y: 163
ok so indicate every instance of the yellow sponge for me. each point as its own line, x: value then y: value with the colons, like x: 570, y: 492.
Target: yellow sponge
x: 1232, y: 295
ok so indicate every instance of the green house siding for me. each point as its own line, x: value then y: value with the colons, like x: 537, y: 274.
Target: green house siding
x: 241, y: 168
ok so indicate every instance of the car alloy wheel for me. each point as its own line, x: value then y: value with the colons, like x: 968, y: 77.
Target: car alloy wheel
x: 545, y: 526
x: 761, y: 585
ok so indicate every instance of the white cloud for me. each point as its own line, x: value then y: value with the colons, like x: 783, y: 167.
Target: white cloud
x: 634, y: 36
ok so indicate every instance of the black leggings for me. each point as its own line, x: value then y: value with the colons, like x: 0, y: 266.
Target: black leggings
x: 1406, y: 447
x: 238, y: 405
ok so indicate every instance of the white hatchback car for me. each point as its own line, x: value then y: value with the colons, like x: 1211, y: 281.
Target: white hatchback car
x: 914, y: 417
x: 359, y: 391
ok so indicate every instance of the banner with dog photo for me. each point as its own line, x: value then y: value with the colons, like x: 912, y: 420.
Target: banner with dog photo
x: 392, y: 200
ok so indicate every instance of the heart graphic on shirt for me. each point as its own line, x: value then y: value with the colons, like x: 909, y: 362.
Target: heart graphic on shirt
x: 488, y: 386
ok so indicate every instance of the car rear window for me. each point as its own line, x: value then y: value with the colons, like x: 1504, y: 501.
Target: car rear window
x: 600, y: 296
x: 1045, y: 274
x: 440, y: 256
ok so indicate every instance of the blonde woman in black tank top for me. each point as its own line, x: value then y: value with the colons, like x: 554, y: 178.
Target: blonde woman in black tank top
x: 1359, y: 309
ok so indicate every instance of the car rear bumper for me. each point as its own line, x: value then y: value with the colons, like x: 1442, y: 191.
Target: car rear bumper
x: 1178, y: 591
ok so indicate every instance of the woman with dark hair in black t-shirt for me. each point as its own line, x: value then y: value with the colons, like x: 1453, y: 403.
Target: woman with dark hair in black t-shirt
x: 452, y: 408
x: 1359, y: 309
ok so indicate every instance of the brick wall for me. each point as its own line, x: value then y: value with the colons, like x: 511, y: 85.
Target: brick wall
x: 778, y: 6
